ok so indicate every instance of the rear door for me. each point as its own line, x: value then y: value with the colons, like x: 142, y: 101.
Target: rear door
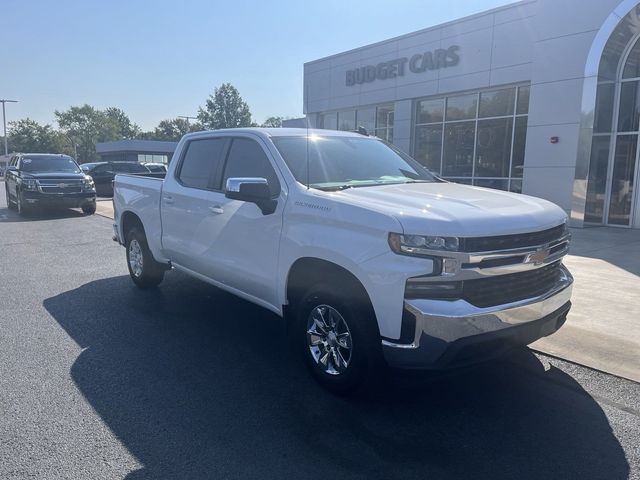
x: 188, y: 204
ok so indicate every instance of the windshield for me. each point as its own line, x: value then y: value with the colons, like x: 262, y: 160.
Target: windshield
x: 336, y: 163
x: 49, y: 163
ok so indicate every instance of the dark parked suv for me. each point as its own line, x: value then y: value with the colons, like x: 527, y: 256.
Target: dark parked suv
x: 36, y: 180
x: 103, y: 174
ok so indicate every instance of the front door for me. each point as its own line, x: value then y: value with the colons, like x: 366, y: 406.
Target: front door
x: 245, y: 253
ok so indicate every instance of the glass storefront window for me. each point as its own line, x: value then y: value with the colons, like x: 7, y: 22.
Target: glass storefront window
x: 329, y: 121
x: 624, y: 164
x: 493, y: 147
x: 597, y: 182
x: 522, y: 107
x: 366, y: 118
x: 347, y: 120
x: 632, y: 67
x: 604, y: 108
x: 462, y: 107
x: 428, y: 146
x: 519, y: 144
x: 384, y: 117
x: 459, y: 141
x: 629, y: 113
x: 483, y: 138
x: 430, y: 111
x: 498, y: 103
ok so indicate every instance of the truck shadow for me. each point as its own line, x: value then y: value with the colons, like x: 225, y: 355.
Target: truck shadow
x: 198, y: 384
x: 10, y: 216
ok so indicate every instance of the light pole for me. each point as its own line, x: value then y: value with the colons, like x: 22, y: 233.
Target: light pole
x: 4, y: 123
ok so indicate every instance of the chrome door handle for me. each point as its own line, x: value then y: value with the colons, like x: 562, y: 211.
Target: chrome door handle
x: 168, y: 199
x: 217, y: 209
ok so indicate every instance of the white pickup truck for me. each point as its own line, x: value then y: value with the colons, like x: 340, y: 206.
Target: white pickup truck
x: 369, y: 257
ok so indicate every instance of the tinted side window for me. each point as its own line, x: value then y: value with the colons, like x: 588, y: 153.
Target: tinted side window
x: 120, y: 168
x: 247, y: 159
x: 102, y: 168
x: 201, y: 162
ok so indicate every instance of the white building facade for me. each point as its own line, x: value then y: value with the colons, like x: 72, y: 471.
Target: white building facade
x: 540, y: 97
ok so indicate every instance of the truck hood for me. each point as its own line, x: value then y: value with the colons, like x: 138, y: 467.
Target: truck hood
x: 451, y: 209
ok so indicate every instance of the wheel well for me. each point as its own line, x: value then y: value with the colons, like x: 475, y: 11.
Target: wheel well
x: 309, y: 271
x: 130, y: 220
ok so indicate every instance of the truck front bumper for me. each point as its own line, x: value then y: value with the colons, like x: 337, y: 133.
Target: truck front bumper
x: 66, y: 200
x: 456, y: 333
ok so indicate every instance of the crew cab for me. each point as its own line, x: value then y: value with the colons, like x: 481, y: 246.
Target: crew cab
x: 36, y: 180
x: 369, y: 257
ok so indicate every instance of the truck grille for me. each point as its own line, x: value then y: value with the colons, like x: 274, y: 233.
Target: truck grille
x: 501, y: 289
x: 507, y: 242
x: 60, y: 186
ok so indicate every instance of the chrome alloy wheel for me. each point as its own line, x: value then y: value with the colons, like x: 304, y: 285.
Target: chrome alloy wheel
x: 135, y: 258
x: 329, y: 339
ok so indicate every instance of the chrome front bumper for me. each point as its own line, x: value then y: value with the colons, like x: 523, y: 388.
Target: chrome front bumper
x: 449, y: 333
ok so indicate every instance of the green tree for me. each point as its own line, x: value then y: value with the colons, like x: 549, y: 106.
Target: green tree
x: 273, y: 122
x: 173, y: 129
x: 225, y: 109
x: 28, y: 136
x: 124, y: 127
x: 85, y: 126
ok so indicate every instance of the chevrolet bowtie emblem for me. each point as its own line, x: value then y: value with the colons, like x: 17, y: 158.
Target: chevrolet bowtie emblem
x: 538, y: 257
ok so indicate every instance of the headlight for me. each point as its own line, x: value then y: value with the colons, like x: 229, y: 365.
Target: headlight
x: 87, y: 183
x: 421, y: 244
x: 29, y: 184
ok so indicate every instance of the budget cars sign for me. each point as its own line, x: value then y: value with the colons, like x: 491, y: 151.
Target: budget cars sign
x: 418, y: 63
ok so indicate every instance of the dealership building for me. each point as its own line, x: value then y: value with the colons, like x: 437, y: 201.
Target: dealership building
x: 540, y: 97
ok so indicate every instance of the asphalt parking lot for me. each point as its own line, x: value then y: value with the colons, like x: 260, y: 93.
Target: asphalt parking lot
x: 101, y: 380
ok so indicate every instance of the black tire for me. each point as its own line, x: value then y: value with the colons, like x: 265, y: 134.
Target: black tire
x: 89, y: 208
x: 10, y: 204
x: 23, y: 209
x: 150, y: 273
x: 365, y: 362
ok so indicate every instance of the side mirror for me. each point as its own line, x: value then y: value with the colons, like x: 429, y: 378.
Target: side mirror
x: 12, y: 168
x: 253, y: 190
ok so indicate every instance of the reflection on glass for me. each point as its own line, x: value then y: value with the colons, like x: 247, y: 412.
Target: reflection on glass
x: 597, y: 181
x: 522, y: 108
x: 516, y: 186
x: 604, y: 108
x: 347, y: 120
x: 493, y: 147
x: 330, y: 121
x: 429, y: 111
x: 519, y: 144
x: 497, y: 183
x: 428, y: 146
x: 498, y: 103
x: 366, y: 118
x: 463, y: 181
x: 622, y: 180
x: 462, y: 107
x: 629, y: 107
x: 385, y: 134
x: 384, y: 116
x: 632, y: 67
x: 458, y: 149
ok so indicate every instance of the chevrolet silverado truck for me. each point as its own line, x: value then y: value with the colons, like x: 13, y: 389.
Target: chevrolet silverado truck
x: 37, y: 180
x: 371, y: 259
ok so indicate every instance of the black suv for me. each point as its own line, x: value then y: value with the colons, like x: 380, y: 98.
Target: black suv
x: 103, y: 173
x: 34, y: 180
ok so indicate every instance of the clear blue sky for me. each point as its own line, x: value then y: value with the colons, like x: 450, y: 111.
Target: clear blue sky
x: 159, y: 59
